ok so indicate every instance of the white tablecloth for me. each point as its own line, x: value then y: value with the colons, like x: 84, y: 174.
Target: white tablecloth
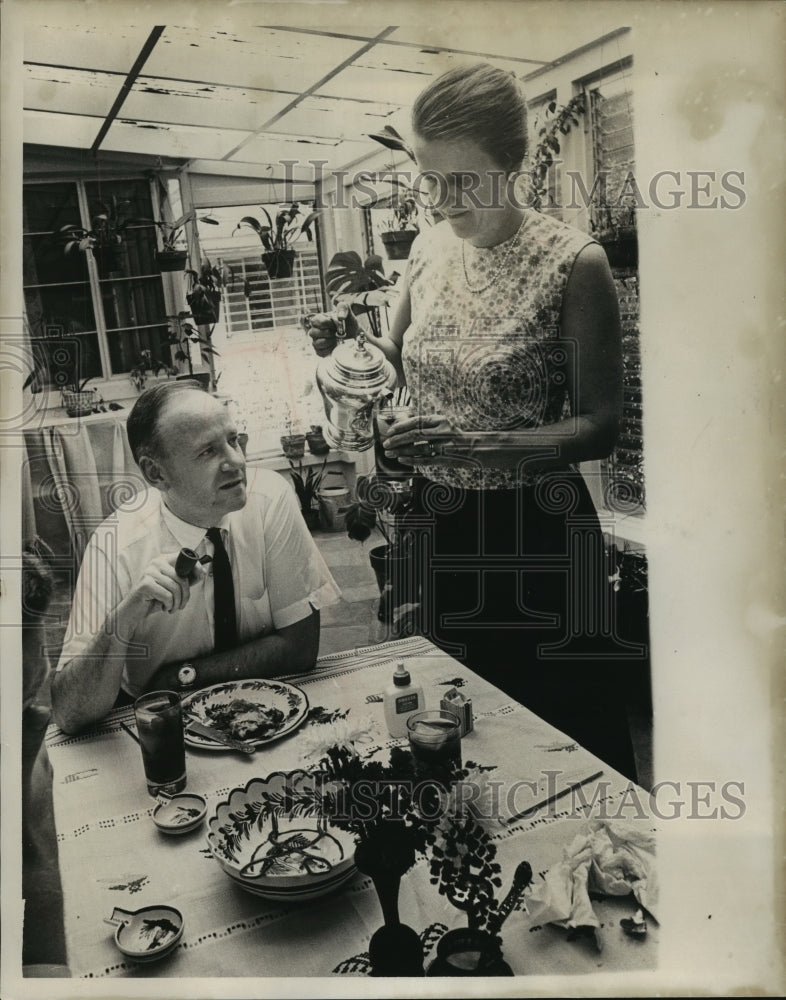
x: 111, y: 854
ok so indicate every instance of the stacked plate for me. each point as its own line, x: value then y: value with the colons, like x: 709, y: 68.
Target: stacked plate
x: 272, y: 840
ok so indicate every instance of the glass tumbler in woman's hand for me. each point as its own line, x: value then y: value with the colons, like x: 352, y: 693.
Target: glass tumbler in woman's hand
x: 385, y: 416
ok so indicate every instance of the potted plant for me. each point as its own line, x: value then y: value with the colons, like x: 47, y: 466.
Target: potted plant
x: 307, y: 482
x: 291, y: 223
x: 105, y: 237
x: 403, y: 221
x: 293, y: 442
x: 181, y: 335
x: 147, y: 363
x: 361, y: 284
x: 171, y: 256
x: 77, y: 400
x: 204, y: 294
x: 381, y: 503
x: 315, y: 440
x: 614, y: 227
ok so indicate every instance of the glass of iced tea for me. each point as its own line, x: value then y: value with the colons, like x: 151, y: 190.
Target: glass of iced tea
x: 435, y: 742
x: 384, y: 418
x: 159, y: 725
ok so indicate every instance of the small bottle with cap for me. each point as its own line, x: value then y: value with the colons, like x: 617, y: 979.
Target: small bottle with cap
x: 402, y: 698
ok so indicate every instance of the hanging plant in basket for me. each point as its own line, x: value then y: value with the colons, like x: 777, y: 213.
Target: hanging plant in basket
x: 291, y: 223
x: 204, y: 295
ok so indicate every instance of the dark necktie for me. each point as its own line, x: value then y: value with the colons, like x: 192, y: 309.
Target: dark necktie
x: 223, y: 595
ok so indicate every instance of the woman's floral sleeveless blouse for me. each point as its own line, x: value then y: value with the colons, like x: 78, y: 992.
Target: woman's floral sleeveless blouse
x: 491, y: 359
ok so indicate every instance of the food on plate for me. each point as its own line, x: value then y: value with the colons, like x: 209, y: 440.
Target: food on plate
x: 244, y: 720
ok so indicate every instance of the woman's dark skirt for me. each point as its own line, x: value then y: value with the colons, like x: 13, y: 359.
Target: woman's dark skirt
x: 514, y: 583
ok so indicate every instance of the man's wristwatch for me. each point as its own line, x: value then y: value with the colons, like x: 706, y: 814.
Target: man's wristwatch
x: 186, y: 679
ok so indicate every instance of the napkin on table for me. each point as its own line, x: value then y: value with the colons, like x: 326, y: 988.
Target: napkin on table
x: 612, y: 858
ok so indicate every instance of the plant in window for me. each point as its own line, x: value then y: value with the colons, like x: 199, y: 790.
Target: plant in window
x: 147, y: 363
x: 104, y: 238
x: 277, y: 239
x: 558, y: 121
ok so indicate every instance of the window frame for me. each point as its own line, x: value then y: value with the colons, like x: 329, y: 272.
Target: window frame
x: 111, y: 385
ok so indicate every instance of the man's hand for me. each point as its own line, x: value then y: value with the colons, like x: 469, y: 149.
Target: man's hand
x: 323, y: 329
x: 160, y: 588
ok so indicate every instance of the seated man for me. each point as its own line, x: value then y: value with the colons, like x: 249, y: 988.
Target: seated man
x: 254, y: 612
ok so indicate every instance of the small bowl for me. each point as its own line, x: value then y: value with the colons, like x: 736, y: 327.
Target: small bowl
x: 179, y: 813
x: 148, y: 934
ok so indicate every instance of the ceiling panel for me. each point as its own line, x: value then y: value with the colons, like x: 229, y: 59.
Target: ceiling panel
x: 330, y: 117
x: 272, y: 149
x: 72, y: 131
x: 427, y: 62
x: 260, y: 58
x: 85, y: 45
x: 209, y: 105
x: 183, y: 141
x: 70, y: 91
x: 207, y: 94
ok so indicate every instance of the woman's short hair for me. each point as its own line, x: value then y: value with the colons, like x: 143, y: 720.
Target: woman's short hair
x: 142, y: 426
x: 477, y: 102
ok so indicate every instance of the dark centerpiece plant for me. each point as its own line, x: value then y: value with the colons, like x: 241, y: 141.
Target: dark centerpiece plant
x: 395, y: 818
x: 278, y: 239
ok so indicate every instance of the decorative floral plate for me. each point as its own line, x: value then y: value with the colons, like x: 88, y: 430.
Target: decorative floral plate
x: 272, y: 839
x: 253, y: 711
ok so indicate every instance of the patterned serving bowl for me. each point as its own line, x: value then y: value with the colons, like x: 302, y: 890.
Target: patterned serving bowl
x: 271, y: 839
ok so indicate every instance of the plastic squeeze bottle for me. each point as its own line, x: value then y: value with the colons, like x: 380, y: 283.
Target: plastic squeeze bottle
x: 402, y: 698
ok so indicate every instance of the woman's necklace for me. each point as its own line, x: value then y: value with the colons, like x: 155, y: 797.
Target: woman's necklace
x: 513, y: 244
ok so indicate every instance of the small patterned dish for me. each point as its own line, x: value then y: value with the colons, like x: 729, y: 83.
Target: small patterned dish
x: 179, y: 813
x: 147, y: 934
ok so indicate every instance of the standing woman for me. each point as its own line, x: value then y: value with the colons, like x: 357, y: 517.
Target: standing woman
x: 508, y: 337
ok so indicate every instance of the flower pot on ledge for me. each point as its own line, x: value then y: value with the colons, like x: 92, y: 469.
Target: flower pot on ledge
x: 398, y: 243
x: 293, y: 445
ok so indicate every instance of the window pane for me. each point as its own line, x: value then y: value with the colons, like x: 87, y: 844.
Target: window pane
x: 133, y: 302
x: 126, y: 346
x: 48, y: 207
x: 127, y: 205
x: 66, y: 307
x: 64, y: 360
x: 45, y: 263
